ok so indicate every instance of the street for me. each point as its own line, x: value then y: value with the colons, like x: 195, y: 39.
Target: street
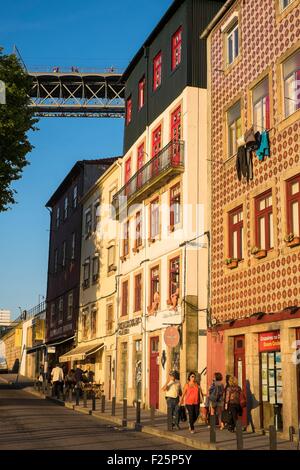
x: 27, y: 422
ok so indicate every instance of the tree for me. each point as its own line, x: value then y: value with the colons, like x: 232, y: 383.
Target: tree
x: 16, y: 119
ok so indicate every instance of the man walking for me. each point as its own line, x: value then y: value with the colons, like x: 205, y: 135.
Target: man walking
x: 173, y: 392
x: 57, y: 377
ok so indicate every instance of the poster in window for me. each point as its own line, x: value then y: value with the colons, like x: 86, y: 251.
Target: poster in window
x: 271, y: 361
x: 264, y: 360
x: 278, y: 360
x: 272, y: 395
x: 264, y: 393
x: 264, y: 376
x: 279, y: 394
x: 279, y: 377
x: 271, y: 378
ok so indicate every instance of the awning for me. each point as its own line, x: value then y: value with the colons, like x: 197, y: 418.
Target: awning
x: 81, y: 352
x: 35, y: 348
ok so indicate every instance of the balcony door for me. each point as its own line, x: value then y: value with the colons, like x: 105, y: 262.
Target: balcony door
x: 139, y: 164
x: 156, y: 147
x: 175, y: 136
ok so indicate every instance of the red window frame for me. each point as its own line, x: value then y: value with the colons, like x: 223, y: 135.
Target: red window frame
x: 157, y: 69
x: 156, y: 148
x: 290, y: 199
x: 142, y: 84
x: 235, y: 227
x: 176, y: 135
x: 124, y: 311
x: 140, y: 164
x: 174, y: 275
x: 263, y: 213
x: 138, y: 230
x: 176, y: 48
x: 138, y: 293
x: 127, y: 175
x: 126, y: 239
x: 154, y: 281
x: 128, y: 110
x: 175, y: 197
x: 154, y: 208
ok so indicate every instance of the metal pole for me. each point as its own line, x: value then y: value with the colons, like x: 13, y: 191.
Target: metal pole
x: 273, y: 438
x: 77, y: 396
x: 94, y: 402
x: 138, y: 426
x: 239, y: 435
x: 124, y: 421
x: 212, y: 437
x: 84, y: 399
x: 169, y: 418
x: 70, y: 395
x: 103, y: 404
x: 113, y: 406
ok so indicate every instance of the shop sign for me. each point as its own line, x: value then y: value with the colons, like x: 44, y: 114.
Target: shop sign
x: 51, y: 349
x: 269, y: 341
x: 171, y: 336
x: 125, y: 326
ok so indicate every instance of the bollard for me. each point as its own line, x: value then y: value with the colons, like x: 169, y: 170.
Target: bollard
x: 291, y: 433
x: 39, y: 386
x: 124, y: 420
x: 212, y: 437
x: 77, y: 396
x: 273, y: 438
x: 34, y: 385
x: 169, y: 418
x: 103, y: 404
x: 70, y: 395
x: 48, y: 390
x: 84, y: 399
x: 239, y: 435
x: 152, y: 415
x: 94, y: 402
x: 44, y: 387
x: 138, y: 426
x: 113, y: 406
x: 52, y: 391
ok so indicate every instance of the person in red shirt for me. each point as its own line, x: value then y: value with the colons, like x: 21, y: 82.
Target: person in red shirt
x: 191, y: 397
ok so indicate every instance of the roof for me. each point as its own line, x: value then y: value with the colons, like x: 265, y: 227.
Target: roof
x: 216, y: 19
x: 77, y: 168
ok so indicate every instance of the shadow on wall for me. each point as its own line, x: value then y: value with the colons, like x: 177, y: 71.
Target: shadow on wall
x: 252, y: 403
x: 15, y: 368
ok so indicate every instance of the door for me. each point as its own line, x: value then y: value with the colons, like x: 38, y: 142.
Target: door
x: 176, y: 135
x: 298, y: 370
x: 156, y: 147
x: 239, y: 368
x: 154, y: 372
x: 124, y: 370
x: 108, y: 375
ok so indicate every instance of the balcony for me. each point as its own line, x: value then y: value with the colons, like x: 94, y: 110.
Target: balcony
x: 167, y: 164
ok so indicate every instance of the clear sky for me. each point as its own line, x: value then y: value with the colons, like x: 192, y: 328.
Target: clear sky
x: 94, y: 33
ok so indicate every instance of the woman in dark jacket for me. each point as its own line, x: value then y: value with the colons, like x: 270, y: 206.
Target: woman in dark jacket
x: 234, y: 397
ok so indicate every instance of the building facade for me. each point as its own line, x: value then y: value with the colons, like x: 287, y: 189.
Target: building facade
x: 254, y: 112
x: 162, y: 208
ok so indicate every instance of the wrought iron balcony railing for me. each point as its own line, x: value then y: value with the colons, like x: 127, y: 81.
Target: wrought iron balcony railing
x: 164, y: 166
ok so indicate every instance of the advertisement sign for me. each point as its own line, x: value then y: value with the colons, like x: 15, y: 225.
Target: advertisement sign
x: 269, y: 341
x: 171, y: 336
x: 51, y: 349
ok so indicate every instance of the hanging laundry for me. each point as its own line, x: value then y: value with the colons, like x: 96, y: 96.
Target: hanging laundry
x: 244, y: 164
x: 264, y: 146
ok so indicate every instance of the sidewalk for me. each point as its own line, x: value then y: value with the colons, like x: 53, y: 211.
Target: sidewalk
x: 200, y: 440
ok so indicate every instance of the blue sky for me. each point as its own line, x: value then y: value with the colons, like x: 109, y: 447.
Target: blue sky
x: 61, y: 33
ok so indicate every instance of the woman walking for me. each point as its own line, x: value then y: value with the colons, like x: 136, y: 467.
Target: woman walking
x: 191, y: 398
x: 216, y: 398
x: 235, y: 401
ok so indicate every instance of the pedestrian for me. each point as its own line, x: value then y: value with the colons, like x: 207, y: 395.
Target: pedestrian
x: 192, y: 396
x: 173, y: 393
x: 57, y: 377
x: 235, y: 401
x: 70, y: 379
x: 216, y: 398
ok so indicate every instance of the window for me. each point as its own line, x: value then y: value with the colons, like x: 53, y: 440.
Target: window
x: 109, y: 318
x: 112, y: 192
x: 236, y: 231
x: 157, y: 66
x: 261, y: 105
x: 264, y: 221
x: 154, y: 278
x: 176, y: 48
x: 232, y: 43
x: 55, y: 260
x: 75, y: 197
x: 127, y: 170
x: 85, y: 323
x: 94, y: 323
x: 174, y: 276
x: 57, y: 217
x: 73, y: 246
x: 142, y: 84
x: 291, y: 78
x: 60, y: 310
x: 234, y: 123
x: 86, y: 273
x: 156, y: 148
x: 293, y: 205
x: 95, y: 268
x: 126, y: 238
x: 64, y: 247
x: 88, y: 223
x: 128, y: 110
x: 66, y: 208
x: 139, y: 164
x: 70, y: 306
x: 111, y: 258
x: 154, y: 218
x: 124, y: 298
x: 52, y: 315
x: 138, y: 293
x: 96, y: 215
x: 138, y: 230
x: 175, y: 205
x: 285, y: 3
x: 176, y: 135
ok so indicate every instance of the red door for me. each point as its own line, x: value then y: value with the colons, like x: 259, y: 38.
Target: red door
x: 298, y: 370
x: 154, y: 372
x: 176, y: 135
x: 156, y: 147
x: 127, y: 174
x: 239, y: 368
x: 139, y: 164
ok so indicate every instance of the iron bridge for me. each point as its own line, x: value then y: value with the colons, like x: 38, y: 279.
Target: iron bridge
x: 75, y: 93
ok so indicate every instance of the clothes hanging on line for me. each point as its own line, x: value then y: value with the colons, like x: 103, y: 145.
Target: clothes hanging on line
x: 244, y: 163
x: 264, y: 146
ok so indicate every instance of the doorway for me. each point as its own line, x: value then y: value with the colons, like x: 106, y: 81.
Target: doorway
x: 108, y: 376
x: 154, y: 372
x: 298, y: 370
x: 240, y: 369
